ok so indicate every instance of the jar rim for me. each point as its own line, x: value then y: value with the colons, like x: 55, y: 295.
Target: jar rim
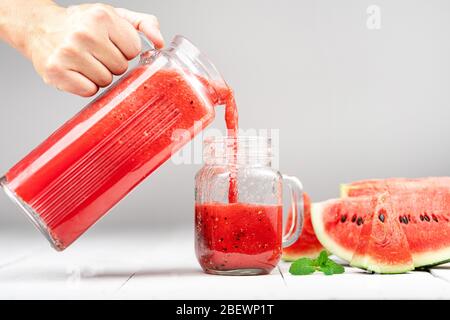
x: 238, y: 139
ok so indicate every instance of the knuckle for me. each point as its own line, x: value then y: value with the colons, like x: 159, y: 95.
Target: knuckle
x: 100, y: 12
x: 81, y: 35
x: 67, y: 51
x: 51, y: 70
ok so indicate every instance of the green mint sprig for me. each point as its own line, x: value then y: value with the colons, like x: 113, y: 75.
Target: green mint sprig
x: 305, y: 266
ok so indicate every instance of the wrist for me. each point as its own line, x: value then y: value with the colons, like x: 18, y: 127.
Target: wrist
x: 36, y: 26
x: 21, y: 20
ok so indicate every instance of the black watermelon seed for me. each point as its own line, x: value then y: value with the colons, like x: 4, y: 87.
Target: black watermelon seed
x: 421, y: 217
x: 381, y: 217
x: 427, y: 218
x: 400, y: 218
x: 405, y: 220
x: 360, y: 221
x: 354, y: 218
x: 343, y: 218
x: 434, y: 218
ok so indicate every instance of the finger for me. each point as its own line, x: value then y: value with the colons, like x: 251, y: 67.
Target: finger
x: 145, y: 23
x: 111, y: 57
x: 90, y: 67
x: 123, y: 35
x: 76, y: 83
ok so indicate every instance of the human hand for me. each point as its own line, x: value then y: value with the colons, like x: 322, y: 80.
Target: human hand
x: 78, y: 49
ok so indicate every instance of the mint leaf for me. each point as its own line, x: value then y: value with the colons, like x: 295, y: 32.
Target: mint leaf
x: 331, y: 267
x: 302, y: 266
x: 323, y: 258
x: 305, y: 266
x: 326, y: 270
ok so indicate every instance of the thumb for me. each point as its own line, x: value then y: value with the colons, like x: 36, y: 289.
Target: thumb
x: 145, y: 23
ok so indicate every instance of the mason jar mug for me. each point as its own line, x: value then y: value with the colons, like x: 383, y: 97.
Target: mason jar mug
x: 243, y: 236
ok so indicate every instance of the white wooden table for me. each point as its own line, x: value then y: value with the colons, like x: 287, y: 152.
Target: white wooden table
x: 154, y: 265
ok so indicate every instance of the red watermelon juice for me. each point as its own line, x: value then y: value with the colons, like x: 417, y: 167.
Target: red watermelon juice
x: 238, y: 236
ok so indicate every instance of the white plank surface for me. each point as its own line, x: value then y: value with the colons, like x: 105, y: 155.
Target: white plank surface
x: 157, y: 265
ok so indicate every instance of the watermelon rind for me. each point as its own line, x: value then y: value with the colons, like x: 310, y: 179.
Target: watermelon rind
x: 367, y: 263
x: 430, y: 259
x: 344, y: 189
x: 428, y: 266
x: 326, y: 241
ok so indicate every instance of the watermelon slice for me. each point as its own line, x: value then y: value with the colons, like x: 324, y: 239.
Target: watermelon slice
x: 382, y: 245
x: 394, y: 185
x: 428, y: 230
x: 422, y: 217
x: 338, y: 223
x: 307, y: 245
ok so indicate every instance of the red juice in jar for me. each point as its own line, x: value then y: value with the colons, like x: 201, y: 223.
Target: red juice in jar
x: 238, y: 236
x: 95, y: 159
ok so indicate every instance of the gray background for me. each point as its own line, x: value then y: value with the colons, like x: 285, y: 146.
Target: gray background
x: 350, y: 102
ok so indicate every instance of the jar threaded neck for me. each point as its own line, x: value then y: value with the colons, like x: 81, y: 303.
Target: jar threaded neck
x: 239, y: 150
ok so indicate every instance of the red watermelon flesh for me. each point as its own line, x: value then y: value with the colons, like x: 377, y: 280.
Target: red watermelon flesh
x: 382, y: 245
x: 394, y: 185
x: 338, y: 223
x: 307, y: 245
x: 425, y: 220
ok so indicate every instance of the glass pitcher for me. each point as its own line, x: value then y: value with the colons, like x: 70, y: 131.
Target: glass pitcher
x: 243, y: 237
x: 96, y: 158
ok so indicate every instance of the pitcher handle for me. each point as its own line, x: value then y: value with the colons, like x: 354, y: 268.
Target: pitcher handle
x: 146, y: 43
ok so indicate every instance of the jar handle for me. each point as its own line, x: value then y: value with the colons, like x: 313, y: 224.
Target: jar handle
x: 295, y: 229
